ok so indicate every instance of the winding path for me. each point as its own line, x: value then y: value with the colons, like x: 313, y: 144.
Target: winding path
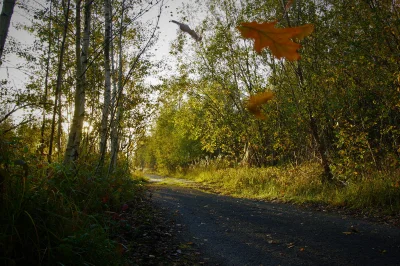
x: 232, y: 231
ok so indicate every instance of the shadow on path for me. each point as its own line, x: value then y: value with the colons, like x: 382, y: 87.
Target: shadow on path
x: 234, y: 231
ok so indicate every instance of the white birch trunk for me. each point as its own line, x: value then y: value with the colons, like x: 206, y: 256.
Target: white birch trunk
x: 75, y: 134
x: 107, y: 83
x: 117, y: 102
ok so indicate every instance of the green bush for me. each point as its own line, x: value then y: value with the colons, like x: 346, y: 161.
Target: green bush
x: 60, y: 216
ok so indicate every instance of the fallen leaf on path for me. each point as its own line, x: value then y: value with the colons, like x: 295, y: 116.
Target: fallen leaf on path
x: 290, y: 245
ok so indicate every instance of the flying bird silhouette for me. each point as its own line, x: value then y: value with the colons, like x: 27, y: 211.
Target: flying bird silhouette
x: 187, y: 29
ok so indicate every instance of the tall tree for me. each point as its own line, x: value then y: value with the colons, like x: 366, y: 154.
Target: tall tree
x: 66, y: 9
x: 46, y: 80
x: 117, y: 97
x: 5, y: 18
x: 107, y: 82
x: 75, y: 134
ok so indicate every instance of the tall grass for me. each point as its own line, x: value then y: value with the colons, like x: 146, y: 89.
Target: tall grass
x: 59, y: 216
x: 379, y: 191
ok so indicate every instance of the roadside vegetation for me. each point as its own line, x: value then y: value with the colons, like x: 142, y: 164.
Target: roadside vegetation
x: 54, y: 215
x: 330, y: 134
x: 377, y: 195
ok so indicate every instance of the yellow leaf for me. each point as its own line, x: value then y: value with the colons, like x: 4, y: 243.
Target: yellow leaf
x: 278, y: 40
x: 255, y: 102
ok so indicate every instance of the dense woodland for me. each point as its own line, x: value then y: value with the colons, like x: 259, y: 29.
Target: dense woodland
x: 73, y: 135
x: 339, y: 104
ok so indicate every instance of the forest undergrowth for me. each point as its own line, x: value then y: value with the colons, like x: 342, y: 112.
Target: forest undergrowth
x: 54, y: 215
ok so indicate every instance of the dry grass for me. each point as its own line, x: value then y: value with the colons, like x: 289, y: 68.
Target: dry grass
x: 302, y: 184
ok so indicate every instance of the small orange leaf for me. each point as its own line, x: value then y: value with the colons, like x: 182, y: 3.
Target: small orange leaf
x: 255, y: 102
x: 278, y: 40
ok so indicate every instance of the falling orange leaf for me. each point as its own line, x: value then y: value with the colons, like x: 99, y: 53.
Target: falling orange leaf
x: 255, y: 102
x: 278, y: 40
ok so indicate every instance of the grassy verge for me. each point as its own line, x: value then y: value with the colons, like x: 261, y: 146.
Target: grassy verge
x: 377, y: 193
x: 58, y: 216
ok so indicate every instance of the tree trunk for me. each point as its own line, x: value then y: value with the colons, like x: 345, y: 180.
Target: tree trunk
x: 5, y: 18
x: 59, y: 122
x: 59, y: 77
x: 321, y: 147
x: 107, y: 83
x: 322, y: 150
x: 75, y: 134
x: 46, y: 86
x: 117, y: 102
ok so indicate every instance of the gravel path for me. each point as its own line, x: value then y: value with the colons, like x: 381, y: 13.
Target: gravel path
x: 232, y: 231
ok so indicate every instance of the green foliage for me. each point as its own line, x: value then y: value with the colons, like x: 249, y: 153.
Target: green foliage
x: 54, y: 215
x: 338, y: 104
x: 173, y: 145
